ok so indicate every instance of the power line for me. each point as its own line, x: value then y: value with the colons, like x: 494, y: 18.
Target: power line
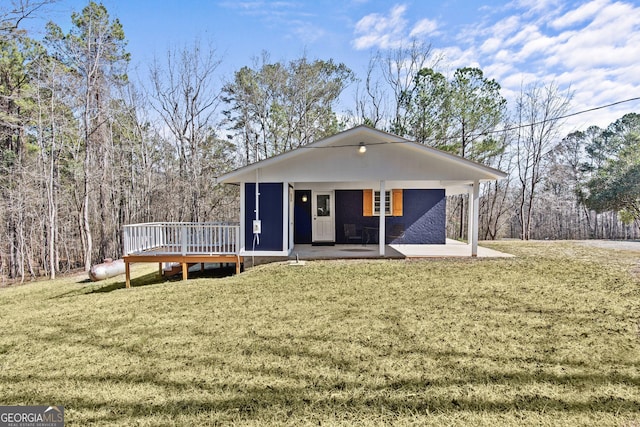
x: 552, y: 119
x: 507, y: 129
x: 601, y: 107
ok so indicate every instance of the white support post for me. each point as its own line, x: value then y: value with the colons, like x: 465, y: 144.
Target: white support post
x: 469, y: 214
x: 285, y: 216
x: 240, y: 242
x: 382, y: 232
x: 474, y: 213
x: 291, y: 214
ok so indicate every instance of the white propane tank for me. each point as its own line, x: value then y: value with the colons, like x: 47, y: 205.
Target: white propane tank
x: 107, y: 269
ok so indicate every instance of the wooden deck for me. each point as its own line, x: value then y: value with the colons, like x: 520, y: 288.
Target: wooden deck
x: 181, y: 243
x: 184, y: 260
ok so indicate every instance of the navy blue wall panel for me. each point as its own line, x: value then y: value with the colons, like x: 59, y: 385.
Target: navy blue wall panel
x: 425, y: 216
x: 270, y: 214
x: 302, y: 218
x: 349, y: 211
x: 423, y: 219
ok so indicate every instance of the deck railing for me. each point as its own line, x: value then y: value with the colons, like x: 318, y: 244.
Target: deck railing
x: 183, y: 238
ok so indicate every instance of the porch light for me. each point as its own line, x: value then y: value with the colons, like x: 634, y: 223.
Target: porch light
x: 304, y: 198
x: 362, y: 148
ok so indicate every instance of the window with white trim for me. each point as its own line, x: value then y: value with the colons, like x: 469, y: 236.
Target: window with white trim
x: 387, y: 203
x: 394, y: 202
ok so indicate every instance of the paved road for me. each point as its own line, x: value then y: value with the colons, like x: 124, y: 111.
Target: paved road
x: 625, y: 245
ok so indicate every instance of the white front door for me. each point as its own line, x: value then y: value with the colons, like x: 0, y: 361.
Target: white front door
x: 323, y: 222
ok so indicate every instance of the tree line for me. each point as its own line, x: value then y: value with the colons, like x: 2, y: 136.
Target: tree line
x: 84, y: 150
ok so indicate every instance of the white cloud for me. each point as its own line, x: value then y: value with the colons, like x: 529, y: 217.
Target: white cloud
x: 535, y: 46
x: 591, y: 49
x: 589, y: 46
x: 498, y: 71
x: 455, y: 57
x: 292, y: 19
x: 527, y: 33
x: 581, y: 14
x: 391, y: 30
x: 491, y: 45
x: 424, y: 27
x: 517, y: 80
x: 598, y: 89
x: 260, y: 7
x: 382, y: 31
x: 507, y: 26
x: 504, y: 56
x: 307, y: 32
x: 610, y: 40
x: 529, y: 7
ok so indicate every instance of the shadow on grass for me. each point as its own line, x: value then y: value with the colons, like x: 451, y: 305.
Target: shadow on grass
x: 242, y: 402
x: 233, y: 397
x: 154, y: 278
x: 450, y: 360
x: 146, y: 280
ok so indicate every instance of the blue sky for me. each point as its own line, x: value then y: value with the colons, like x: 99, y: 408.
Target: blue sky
x: 591, y: 46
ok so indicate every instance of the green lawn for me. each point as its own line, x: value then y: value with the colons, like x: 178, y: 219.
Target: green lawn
x: 548, y: 338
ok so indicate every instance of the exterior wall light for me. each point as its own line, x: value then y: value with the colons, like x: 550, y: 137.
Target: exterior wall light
x: 304, y: 198
x: 362, y: 148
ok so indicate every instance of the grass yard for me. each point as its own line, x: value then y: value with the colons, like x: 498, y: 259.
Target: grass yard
x: 550, y: 338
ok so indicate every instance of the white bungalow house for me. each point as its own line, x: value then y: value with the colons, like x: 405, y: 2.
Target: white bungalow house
x: 361, y: 185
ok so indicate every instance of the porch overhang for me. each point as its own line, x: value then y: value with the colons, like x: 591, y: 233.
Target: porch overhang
x: 387, y: 158
x: 389, y: 162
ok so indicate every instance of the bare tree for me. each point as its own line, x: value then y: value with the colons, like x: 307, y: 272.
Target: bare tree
x: 538, y: 112
x: 371, y: 103
x: 390, y: 77
x: 399, y: 68
x: 496, y: 203
x: 11, y: 16
x: 186, y: 95
x: 47, y: 137
x: 94, y: 51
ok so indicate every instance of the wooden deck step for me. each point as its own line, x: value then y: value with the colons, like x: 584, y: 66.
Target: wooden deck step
x: 172, y: 269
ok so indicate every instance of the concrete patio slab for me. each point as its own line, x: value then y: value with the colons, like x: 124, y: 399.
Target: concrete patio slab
x: 452, y: 248
x: 310, y: 252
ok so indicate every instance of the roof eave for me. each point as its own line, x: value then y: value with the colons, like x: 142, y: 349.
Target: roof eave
x: 493, y: 174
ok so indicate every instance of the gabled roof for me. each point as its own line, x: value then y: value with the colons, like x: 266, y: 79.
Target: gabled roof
x: 388, y: 157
